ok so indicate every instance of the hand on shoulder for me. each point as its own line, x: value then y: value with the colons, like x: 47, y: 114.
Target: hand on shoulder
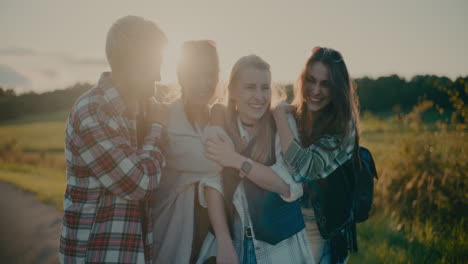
x: 217, y: 115
x: 216, y: 133
x: 282, y: 110
x: 157, y: 112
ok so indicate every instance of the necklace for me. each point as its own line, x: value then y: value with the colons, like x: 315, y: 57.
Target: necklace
x: 247, y: 125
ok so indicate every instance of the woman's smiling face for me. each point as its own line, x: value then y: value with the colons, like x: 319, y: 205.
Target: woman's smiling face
x: 199, y: 84
x: 252, y: 94
x: 317, y: 87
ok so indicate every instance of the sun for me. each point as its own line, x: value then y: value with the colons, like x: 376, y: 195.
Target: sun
x: 171, y: 56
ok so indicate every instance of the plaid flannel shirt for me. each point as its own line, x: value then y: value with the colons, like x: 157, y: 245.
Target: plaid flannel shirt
x: 109, y: 182
x: 314, y: 162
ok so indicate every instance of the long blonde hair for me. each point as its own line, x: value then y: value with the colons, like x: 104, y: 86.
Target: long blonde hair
x: 264, y: 128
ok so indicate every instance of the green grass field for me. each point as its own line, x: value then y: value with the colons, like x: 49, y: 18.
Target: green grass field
x: 31, y: 157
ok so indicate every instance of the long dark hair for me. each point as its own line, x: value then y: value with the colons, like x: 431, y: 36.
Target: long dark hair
x: 341, y: 115
x: 196, y: 54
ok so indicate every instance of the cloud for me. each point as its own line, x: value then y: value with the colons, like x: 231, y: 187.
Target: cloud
x: 17, y: 51
x: 86, y: 61
x: 50, y: 73
x: 26, y: 69
x: 10, y: 77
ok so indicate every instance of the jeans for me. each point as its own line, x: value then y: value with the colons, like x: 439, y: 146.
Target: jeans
x: 325, y: 257
x: 249, y: 252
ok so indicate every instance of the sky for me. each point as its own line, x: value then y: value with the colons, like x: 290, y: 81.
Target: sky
x: 50, y: 44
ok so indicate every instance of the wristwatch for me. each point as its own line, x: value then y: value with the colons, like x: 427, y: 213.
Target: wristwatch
x: 246, y: 167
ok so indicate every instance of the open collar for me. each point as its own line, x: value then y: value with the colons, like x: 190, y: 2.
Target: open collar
x: 110, y: 93
x: 242, y: 131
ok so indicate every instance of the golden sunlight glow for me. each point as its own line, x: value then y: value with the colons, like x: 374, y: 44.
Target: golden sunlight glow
x: 171, y: 57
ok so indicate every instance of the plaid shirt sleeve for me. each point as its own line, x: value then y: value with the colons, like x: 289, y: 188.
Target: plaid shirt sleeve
x: 280, y: 168
x: 129, y: 173
x: 317, y: 161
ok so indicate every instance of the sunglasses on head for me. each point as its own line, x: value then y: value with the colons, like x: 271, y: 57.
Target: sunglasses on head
x: 334, y: 55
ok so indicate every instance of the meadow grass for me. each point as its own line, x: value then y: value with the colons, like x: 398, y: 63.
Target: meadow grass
x: 34, y: 137
x: 388, y: 239
x: 31, y: 157
x: 59, y: 116
x: 48, y: 184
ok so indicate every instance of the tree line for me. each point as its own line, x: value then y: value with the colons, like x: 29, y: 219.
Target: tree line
x: 381, y: 95
x: 13, y: 106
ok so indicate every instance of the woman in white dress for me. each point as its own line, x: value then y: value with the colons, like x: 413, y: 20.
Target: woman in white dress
x: 253, y: 207
x: 180, y: 224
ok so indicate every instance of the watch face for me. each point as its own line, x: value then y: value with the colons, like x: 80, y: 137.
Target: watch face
x: 246, y: 167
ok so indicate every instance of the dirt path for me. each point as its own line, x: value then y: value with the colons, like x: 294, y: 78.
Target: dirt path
x: 29, y: 229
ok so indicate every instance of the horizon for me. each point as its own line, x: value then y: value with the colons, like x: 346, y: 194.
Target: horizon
x: 49, y: 49
x: 221, y: 83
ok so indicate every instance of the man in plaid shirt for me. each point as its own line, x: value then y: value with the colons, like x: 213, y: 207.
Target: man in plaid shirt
x: 113, y: 162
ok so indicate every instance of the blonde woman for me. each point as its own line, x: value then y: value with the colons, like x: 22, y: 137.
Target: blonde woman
x: 252, y: 206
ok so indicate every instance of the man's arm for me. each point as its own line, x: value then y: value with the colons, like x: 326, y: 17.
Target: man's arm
x: 123, y: 170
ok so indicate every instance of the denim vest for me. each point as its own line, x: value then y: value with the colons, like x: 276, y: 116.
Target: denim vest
x: 273, y: 219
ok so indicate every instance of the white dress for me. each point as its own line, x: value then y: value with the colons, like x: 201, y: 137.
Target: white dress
x: 174, y: 199
x: 295, y: 249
